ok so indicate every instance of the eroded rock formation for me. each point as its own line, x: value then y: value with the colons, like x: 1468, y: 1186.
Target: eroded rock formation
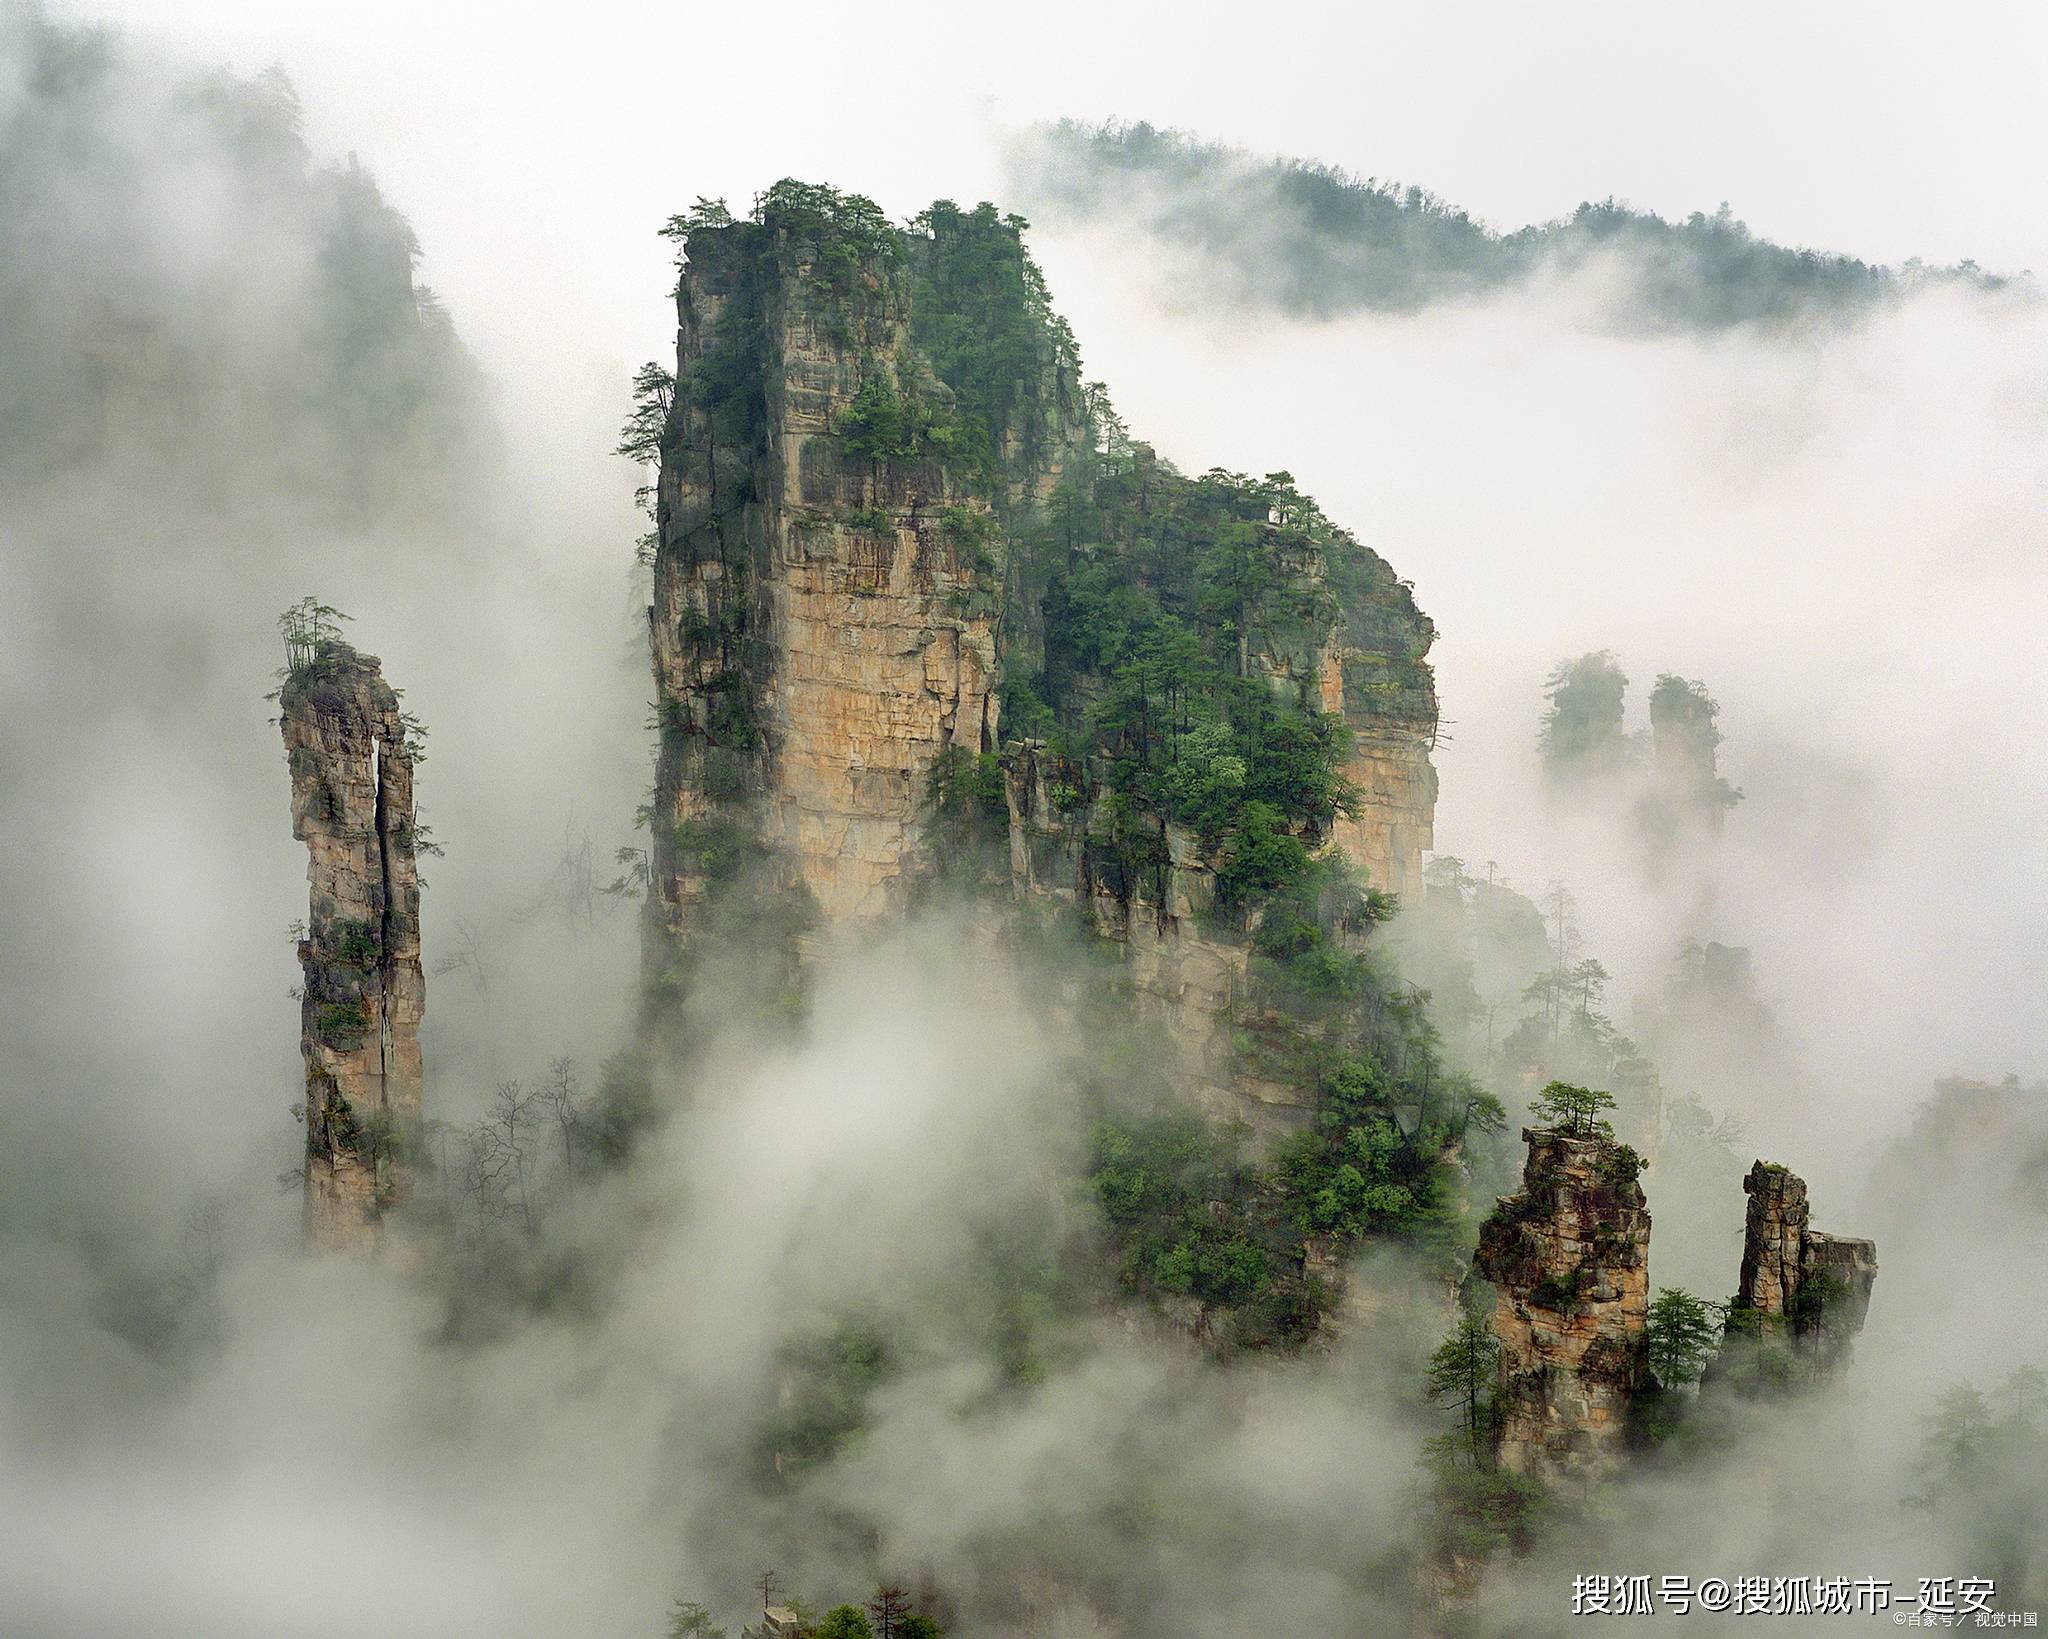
x: 867, y: 491
x: 1803, y: 1295
x: 1568, y: 1256
x: 347, y: 745
x: 821, y: 628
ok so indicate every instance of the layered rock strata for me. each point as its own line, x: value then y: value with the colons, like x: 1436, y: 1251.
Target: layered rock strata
x: 1568, y: 1257
x: 346, y: 744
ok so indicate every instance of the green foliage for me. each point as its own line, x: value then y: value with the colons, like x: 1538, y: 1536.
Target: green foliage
x: 654, y: 390
x: 337, y: 1129
x: 1684, y: 1331
x: 1582, y: 732
x: 357, y: 943
x: 1261, y: 858
x: 981, y: 316
x: 1481, y: 1509
x: 1620, y: 1166
x: 844, y: 232
x: 967, y: 824
x: 1979, y: 1467
x: 1683, y: 742
x: 968, y: 785
x: 1574, y: 1110
x: 845, y: 1622
x: 623, y: 1110
x: 975, y: 533
x: 1353, y: 1183
x: 1316, y: 241
x: 1462, y: 1375
x: 1148, y: 685
x: 717, y: 849
x: 343, y: 1026
x: 690, y: 1620
x: 1561, y: 1291
x: 824, y: 1405
x: 308, y: 627
x: 706, y: 213
x: 1819, y: 1291
x: 731, y: 720
x: 1159, y: 1183
x: 888, y: 422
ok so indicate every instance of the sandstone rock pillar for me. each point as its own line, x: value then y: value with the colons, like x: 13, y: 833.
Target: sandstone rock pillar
x: 351, y: 763
x: 1803, y: 1295
x: 1568, y: 1256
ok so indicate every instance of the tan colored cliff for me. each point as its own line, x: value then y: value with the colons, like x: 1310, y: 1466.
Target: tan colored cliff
x: 818, y: 636
x: 346, y: 744
x: 828, y: 622
x: 1568, y: 1256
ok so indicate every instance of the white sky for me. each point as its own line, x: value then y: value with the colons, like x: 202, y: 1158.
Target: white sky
x: 535, y: 147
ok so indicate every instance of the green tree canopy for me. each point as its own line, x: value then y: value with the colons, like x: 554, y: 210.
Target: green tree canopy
x: 690, y: 1620
x: 1461, y: 1375
x: 1574, y: 1110
x: 1684, y: 1332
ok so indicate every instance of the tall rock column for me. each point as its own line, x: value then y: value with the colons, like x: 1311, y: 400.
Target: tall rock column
x: 1803, y: 1295
x: 346, y: 744
x: 825, y: 590
x: 1569, y: 1258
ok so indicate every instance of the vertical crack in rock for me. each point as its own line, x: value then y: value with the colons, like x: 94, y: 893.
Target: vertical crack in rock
x: 352, y: 805
x: 1569, y: 1259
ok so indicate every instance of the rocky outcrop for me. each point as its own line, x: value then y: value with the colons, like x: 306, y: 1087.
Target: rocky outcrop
x: 859, y: 514
x: 348, y: 748
x: 1803, y: 1295
x: 822, y: 625
x: 1568, y: 1257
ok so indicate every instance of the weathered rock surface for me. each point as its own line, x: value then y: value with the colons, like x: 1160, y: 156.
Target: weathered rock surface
x: 364, y: 993
x: 1800, y: 1290
x: 818, y: 637
x: 1568, y: 1256
x: 827, y: 622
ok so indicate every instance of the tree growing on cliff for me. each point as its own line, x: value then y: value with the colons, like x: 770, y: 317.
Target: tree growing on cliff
x: 654, y: 393
x: 1462, y: 1373
x: 1574, y: 1111
x: 690, y: 1620
x: 1684, y: 1331
x: 307, y: 627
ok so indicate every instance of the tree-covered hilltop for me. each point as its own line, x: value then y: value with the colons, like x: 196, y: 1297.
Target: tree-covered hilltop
x: 180, y: 281
x: 1312, y: 239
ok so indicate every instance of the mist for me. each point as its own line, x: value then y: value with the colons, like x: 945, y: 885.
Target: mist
x: 1836, y: 527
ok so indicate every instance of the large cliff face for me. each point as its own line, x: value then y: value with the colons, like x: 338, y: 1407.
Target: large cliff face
x: 1569, y: 1258
x: 348, y: 750
x: 902, y: 551
x: 820, y: 628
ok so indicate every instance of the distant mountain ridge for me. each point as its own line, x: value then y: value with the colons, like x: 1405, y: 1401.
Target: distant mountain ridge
x: 1313, y: 240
